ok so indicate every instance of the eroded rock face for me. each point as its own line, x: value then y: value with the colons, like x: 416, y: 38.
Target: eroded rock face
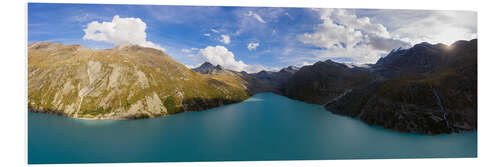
x: 425, y: 89
x: 126, y: 82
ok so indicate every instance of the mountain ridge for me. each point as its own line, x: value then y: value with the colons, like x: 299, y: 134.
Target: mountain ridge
x: 120, y: 83
x: 427, y: 88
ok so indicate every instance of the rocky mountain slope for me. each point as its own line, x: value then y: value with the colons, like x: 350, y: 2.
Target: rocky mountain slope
x: 324, y: 81
x: 263, y: 81
x: 425, y: 89
x: 124, y: 82
x: 208, y: 68
x: 269, y: 81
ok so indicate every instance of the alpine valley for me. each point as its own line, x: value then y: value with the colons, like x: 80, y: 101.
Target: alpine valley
x: 427, y: 88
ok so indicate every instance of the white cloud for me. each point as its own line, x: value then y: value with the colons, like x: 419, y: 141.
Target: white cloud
x: 254, y: 20
x: 252, y: 46
x: 214, y: 30
x: 219, y: 55
x: 305, y: 63
x: 192, y: 66
x: 287, y: 50
x: 360, y: 55
x: 256, y: 16
x: 256, y: 68
x: 362, y: 24
x: 329, y: 34
x: 206, y: 34
x: 87, y: 17
x: 385, y: 44
x: 188, y: 50
x: 347, y: 36
x: 430, y: 26
x: 118, y: 31
x: 225, y: 39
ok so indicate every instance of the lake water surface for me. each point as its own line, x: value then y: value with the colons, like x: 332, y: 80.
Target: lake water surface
x: 264, y: 127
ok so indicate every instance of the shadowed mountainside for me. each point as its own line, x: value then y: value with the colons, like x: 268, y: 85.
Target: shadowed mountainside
x: 263, y: 81
x: 425, y: 89
x: 323, y: 81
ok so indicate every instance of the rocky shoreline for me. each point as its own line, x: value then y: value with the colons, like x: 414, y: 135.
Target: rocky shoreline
x: 131, y: 117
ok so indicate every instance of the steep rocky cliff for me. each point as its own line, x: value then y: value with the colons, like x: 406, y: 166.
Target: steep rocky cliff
x: 425, y: 89
x: 124, y: 82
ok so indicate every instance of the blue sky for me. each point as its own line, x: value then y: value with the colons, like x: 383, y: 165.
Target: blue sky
x: 249, y: 39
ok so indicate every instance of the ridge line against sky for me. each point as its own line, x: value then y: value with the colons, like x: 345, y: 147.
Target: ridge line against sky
x: 246, y: 38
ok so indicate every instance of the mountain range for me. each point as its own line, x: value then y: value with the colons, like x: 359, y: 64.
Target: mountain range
x: 427, y: 88
x: 125, y: 82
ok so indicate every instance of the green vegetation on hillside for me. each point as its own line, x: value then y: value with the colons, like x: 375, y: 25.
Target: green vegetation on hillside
x: 120, y: 83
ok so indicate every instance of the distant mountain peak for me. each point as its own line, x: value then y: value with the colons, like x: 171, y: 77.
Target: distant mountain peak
x: 264, y: 72
x: 423, y: 44
x: 461, y: 43
x: 207, y: 64
x: 330, y: 63
x: 290, y: 69
x: 421, y: 58
x: 209, y: 68
x: 293, y: 68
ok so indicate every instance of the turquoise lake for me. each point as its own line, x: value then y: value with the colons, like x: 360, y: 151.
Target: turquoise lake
x: 264, y: 127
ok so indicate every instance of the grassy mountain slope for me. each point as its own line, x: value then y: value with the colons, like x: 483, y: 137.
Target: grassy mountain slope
x: 124, y: 82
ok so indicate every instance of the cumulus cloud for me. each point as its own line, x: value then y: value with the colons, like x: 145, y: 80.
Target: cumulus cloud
x: 363, y: 24
x: 329, y: 35
x: 345, y: 35
x: 220, y: 55
x: 256, y: 16
x: 427, y: 26
x: 206, y: 34
x: 118, y: 31
x: 252, y: 46
x: 225, y: 39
